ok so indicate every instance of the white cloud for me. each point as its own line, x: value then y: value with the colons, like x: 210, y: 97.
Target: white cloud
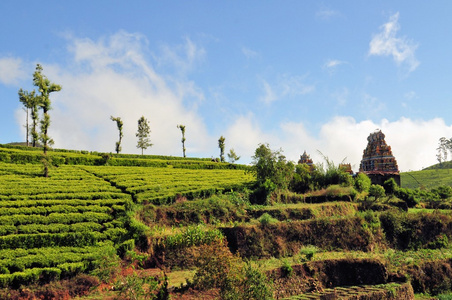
x: 11, y: 70
x: 244, y: 135
x: 332, y: 64
x: 326, y: 13
x: 387, y: 43
x: 110, y: 76
x: 285, y: 86
x: 413, y: 142
x: 182, y: 57
x: 249, y: 54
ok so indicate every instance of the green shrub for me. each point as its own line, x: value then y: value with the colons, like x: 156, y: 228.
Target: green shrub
x: 444, y: 192
x: 266, y: 219
x: 376, y: 191
x: 308, y: 252
x: 254, y: 286
x: 442, y: 241
x: 126, y: 246
x: 193, y: 236
x: 107, y: 266
x: 136, y: 287
x: 286, y: 268
x: 390, y: 186
x: 362, y: 182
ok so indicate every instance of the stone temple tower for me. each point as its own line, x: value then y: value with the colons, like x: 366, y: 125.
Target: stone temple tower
x: 378, y: 162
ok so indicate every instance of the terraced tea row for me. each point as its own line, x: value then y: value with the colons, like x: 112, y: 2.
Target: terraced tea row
x: 162, y: 185
x: 55, y: 227
x: 24, y: 266
x: 382, y: 291
x: 59, y: 157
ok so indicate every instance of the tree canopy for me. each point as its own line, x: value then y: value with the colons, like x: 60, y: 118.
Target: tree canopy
x: 143, y: 134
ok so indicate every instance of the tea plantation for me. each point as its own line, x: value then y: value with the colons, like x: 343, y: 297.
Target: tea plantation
x: 154, y: 227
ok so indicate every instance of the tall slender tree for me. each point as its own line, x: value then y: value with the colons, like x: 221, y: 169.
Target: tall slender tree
x: 119, y: 124
x: 45, y: 87
x: 29, y: 100
x: 221, y: 141
x: 143, y: 134
x: 182, y: 129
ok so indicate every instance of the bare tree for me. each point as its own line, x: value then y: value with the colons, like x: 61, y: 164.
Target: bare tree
x: 119, y: 124
x: 182, y: 129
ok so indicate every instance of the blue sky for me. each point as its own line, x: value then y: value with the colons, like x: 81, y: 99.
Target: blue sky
x: 299, y: 75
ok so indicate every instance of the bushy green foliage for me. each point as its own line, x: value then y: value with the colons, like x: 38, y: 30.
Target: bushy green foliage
x: 331, y: 174
x: 376, y: 191
x: 219, y: 268
x: 272, y: 167
x: 134, y: 287
x: 444, y: 191
x: 444, y: 296
x: 266, y: 219
x: 362, y: 182
x: 308, y: 251
x: 107, y: 265
x: 390, y: 186
x: 193, y: 236
x: 286, y: 268
x: 254, y: 285
x: 302, y: 179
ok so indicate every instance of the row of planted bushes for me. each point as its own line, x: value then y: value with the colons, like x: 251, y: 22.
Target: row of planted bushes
x: 172, y: 195
x: 67, y: 239
x: 67, y: 196
x: 62, y: 218
x: 50, y: 228
x: 99, y: 159
x: 164, y: 157
x: 46, y: 210
x: 44, y: 265
x: 29, y: 276
x: 115, y: 204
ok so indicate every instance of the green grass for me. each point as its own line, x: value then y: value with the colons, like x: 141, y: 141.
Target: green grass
x: 426, y: 178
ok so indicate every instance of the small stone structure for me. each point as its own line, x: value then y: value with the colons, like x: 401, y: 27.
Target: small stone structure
x: 378, y: 162
x: 347, y: 168
x: 306, y: 159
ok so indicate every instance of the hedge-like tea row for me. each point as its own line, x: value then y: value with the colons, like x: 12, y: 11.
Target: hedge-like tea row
x: 62, y: 196
x: 62, y: 218
x: 67, y: 239
x: 25, y: 266
x: 25, y: 155
x: 108, y: 202
x: 72, y: 239
x: 46, y: 210
x: 50, y: 228
x: 162, y: 185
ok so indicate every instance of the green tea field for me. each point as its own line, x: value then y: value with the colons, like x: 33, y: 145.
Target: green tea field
x: 153, y: 227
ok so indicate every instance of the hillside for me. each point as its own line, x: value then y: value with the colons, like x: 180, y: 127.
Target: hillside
x: 152, y: 225
x: 427, y: 178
